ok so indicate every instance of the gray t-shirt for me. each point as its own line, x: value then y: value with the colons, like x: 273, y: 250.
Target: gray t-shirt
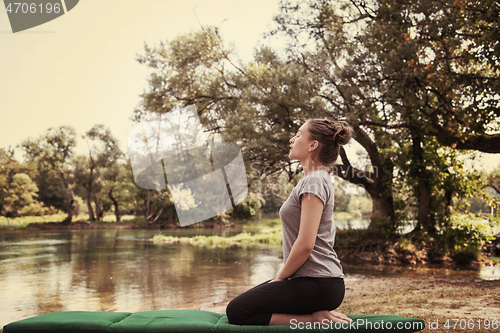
x: 322, y: 261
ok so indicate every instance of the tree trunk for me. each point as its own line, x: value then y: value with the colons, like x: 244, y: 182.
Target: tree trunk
x: 99, y: 212
x: 377, y: 183
x: 115, y: 204
x: 89, y: 205
x: 423, y: 189
x: 382, y: 212
x: 71, y: 201
x: 89, y: 191
x: 148, y: 206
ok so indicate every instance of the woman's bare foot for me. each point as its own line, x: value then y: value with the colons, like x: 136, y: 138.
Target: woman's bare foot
x: 340, y: 315
x: 335, y: 317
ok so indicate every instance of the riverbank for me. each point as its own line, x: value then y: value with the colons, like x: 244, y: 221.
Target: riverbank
x: 357, y: 246
x: 55, y: 222
x: 352, y: 246
x: 435, y: 299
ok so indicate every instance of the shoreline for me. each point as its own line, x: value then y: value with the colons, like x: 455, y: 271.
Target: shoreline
x: 384, y: 252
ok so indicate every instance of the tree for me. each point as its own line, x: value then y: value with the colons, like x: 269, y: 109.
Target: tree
x: 257, y: 105
x: 493, y: 182
x: 52, y: 153
x: 445, y: 66
x: 320, y: 39
x: 351, y: 60
x: 402, y: 72
x: 8, y: 168
x: 118, y: 187
x: 21, y: 198
x: 93, y: 171
x: 436, y: 63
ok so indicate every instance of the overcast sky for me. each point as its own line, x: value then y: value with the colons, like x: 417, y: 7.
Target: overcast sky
x: 80, y: 69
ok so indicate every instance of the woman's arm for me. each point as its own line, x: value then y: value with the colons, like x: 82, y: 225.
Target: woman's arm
x: 310, y: 216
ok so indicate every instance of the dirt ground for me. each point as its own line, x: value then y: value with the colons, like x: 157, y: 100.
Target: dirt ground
x: 467, y: 303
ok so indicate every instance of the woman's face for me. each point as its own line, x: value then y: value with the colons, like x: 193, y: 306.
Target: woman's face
x: 300, y: 144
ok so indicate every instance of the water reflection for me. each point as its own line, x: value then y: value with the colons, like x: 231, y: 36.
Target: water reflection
x: 117, y: 270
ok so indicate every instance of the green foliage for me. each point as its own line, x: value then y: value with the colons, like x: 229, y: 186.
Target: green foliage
x: 466, y: 235
x: 492, y: 188
x: 97, y: 173
x: 359, y: 205
x: 52, y: 153
x: 23, y: 221
x: 20, y: 198
x: 443, y: 172
x: 52, y: 191
x: 267, y: 236
x: 249, y: 208
x: 80, y: 206
x: 8, y: 168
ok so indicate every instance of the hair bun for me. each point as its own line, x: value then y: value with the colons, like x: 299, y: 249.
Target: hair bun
x: 342, y: 132
x: 331, y: 135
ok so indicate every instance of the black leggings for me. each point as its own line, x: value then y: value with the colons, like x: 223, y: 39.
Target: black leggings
x: 303, y: 295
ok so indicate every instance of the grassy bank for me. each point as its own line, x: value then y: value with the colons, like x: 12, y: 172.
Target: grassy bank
x: 463, y: 246
x: 23, y: 222
x: 270, y: 236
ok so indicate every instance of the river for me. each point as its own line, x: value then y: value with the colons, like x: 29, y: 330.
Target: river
x: 120, y: 270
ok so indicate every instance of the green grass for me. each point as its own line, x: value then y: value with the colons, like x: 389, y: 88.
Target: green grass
x: 266, y: 236
x: 126, y: 219
x: 24, y: 221
x: 266, y: 222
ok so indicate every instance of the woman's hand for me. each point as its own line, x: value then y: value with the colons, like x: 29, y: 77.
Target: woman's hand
x: 274, y: 280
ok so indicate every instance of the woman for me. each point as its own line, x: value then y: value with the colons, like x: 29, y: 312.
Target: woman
x: 310, y: 285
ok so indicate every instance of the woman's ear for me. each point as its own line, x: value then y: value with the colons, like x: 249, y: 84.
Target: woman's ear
x: 313, y: 145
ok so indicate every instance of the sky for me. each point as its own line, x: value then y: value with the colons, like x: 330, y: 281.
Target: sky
x: 81, y: 69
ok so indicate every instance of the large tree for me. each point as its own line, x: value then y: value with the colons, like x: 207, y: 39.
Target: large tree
x: 402, y: 72
x: 21, y: 198
x: 257, y: 105
x: 352, y: 60
x: 52, y: 153
x: 92, y: 172
x: 8, y: 168
x: 325, y: 38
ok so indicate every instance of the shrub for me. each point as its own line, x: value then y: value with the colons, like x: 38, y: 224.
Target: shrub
x: 465, y: 235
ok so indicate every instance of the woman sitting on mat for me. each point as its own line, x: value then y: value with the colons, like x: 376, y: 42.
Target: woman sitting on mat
x: 310, y: 285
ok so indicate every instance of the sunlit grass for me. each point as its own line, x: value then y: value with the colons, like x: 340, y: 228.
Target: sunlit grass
x: 24, y: 221
x: 267, y: 222
x: 266, y: 236
x: 138, y: 220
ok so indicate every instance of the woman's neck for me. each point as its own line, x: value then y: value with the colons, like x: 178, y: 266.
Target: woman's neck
x: 310, y: 166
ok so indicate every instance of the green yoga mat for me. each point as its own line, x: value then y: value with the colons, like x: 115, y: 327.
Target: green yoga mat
x: 183, y: 321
